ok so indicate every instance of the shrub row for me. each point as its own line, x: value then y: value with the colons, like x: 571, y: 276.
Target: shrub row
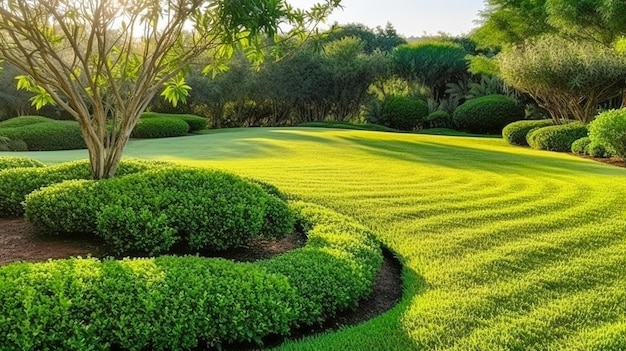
x: 556, y: 138
x: 36, y: 133
x: 584, y: 146
x: 16, y: 183
x: 195, y: 123
x: 151, y: 211
x: 173, y: 303
x: 487, y: 114
x: 515, y: 133
x: 160, y: 128
x: 8, y: 162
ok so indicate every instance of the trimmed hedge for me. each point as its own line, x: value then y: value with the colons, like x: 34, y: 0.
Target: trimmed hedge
x: 172, y: 303
x: 402, y: 112
x: 16, y: 183
x: 159, y: 127
x: 195, y: 123
x: 487, y: 114
x: 8, y: 162
x: 22, y: 121
x: 515, y: 133
x: 151, y: 211
x: 597, y: 150
x: 609, y: 130
x: 44, y: 135
x: 556, y: 138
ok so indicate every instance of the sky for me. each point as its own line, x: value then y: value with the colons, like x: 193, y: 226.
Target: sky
x: 409, y: 17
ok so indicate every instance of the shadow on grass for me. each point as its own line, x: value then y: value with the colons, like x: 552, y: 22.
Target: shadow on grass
x: 474, y: 158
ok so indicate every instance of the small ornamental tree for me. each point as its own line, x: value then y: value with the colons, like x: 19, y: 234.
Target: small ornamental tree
x: 104, y: 60
x: 569, y: 79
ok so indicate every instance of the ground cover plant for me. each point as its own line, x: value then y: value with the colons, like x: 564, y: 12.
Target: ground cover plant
x: 504, y: 247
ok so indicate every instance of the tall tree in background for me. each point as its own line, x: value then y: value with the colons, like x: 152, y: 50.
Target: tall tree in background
x: 104, y: 60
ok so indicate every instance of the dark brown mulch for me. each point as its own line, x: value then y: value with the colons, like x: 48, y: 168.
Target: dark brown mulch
x: 19, y: 242
x: 610, y: 161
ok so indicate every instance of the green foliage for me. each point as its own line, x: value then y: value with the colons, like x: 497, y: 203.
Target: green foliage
x: 159, y: 127
x: 401, y: 112
x: 579, y: 147
x: 149, y: 212
x: 8, y: 162
x: 597, y: 150
x: 177, y: 303
x: 16, y: 183
x: 352, y: 126
x: 167, y: 303
x: 196, y: 123
x: 515, y: 133
x: 432, y: 63
x: 438, y: 119
x: 556, y: 138
x: 609, y: 130
x: 334, y: 270
x: 487, y: 114
x: 381, y: 39
x: 567, y: 78
x: 42, y: 134
x: 23, y: 121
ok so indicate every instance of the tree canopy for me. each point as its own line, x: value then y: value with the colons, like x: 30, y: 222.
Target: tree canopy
x: 104, y: 60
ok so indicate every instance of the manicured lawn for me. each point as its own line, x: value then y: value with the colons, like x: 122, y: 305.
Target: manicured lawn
x: 505, y: 248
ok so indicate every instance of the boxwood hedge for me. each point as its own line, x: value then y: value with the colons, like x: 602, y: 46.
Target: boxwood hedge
x: 515, y: 133
x: 160, y: 127
x: 151, y: 211
x: 177, y: 303
x: 16, y: 183
x: 487, y: 114
x: 24, y: 121
x: 41, y: 135
x: 8, y: 162
x: 556, y: 138
x: 195, y: 123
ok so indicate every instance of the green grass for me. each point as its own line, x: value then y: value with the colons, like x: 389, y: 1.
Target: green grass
x: 348, y: 125
x: 505, y: 248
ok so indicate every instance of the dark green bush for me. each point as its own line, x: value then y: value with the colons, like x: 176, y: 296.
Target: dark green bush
x: 556, y: 138
x: 515, y: 133
x: 16, y: 183
x: 160, y: 127
x: 179, y: 303
x: 402, y: 112
x: 46, y: 136
x: 487, y: 114
x: 609, y: 130
x: 579, y: 147
x: 195, y: 123
x: 438, y: 119
x: 149, y: 212
x: 16, y: 145
x: 597, y: 150
x: 7, y: 162
x: 22, y: 121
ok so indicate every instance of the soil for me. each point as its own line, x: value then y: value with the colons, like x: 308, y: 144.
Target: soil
x: 611, y: 161
x: 20, y: 242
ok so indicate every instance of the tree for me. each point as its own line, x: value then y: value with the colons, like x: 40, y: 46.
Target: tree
x: 569, y: 79
x: 432, y: 63
x: 104, y: 60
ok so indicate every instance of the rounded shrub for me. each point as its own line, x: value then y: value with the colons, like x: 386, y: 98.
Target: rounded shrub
x: 47, y: 135
x: 609, y: 130
x: 515, y: 133
x: 556, y: 138
x: 195, y: 123
x: 402, y: 112
x: 487, y: 114
x: 160, y: 127
x: 179, y: 303
x: 22, y: 121
x: 579, y: 147
x: 16, y: 183
x: 438, y: 119
x: 7, y: 162
x: 151, y: 211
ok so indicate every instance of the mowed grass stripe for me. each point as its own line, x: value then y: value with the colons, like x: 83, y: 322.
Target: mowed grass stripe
x: 504, y: 247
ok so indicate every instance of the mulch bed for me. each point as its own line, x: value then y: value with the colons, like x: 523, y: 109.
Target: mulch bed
x: 20, y: 242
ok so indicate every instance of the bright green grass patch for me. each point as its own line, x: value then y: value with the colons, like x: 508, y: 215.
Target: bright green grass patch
x: 348, y: 125
x: 504, y: 247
